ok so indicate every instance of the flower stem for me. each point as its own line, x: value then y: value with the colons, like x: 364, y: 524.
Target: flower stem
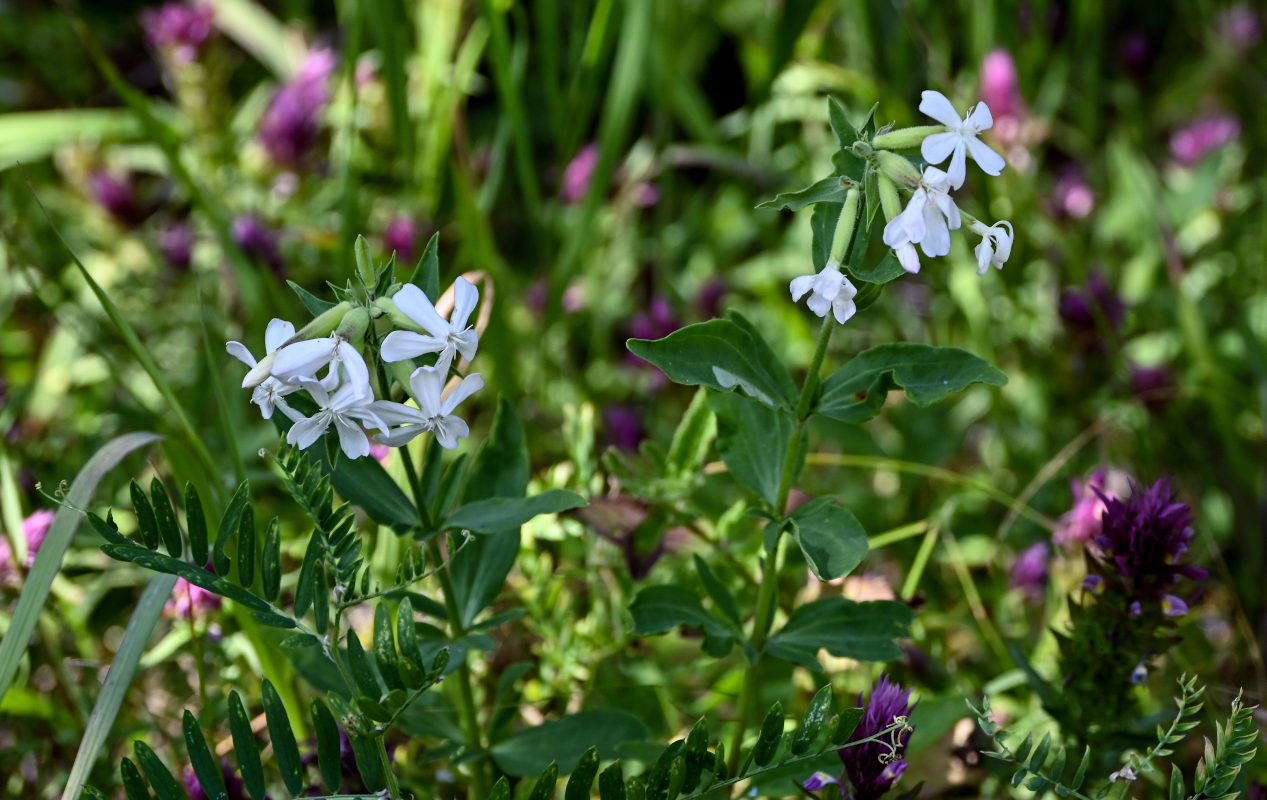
x: 767, y: 596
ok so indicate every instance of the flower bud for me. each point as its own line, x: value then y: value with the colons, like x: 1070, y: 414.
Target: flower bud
x: 398, y: 318
x: 905, y: 138
x: 353, y: 325
x: 900, y: 169
x: 325, y: 323
x: 260, y: 372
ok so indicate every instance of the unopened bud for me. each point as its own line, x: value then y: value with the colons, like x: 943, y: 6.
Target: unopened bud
x: 353, y: 326
x: 905, y: 138
x: 324, y: 324
x: 399, y: 319
x: 899, y: 168
x: 260, y: 372
x: 888, y: 196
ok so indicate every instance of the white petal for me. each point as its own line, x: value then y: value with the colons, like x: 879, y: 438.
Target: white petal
x: 468, y: 386
x: 427, y: 383
x: 285, y: 408
x: 819, y: 304
x: 404, y: 345
x: 465, y: 296
x: 276, y: 334
x: 936, y: 241
x: 843, y: 309
x: 937, y: 147
x: 913, y: 218
x: 958, y: 169
x: 1003, y: 242
x: 467, y: 343
x: 411, y: 300
x: 307, y: 431
x: 908, y: 257
x: 984, y: 254
x: 946, y: 205
x: 400, y: 436
x: 449, y: 430
x: 935, y: 105
x: 351, y: 438
x: 239, y: 351
x: 979, y: 118
x: 303, y: 359
x: 804, y: 283
x: 355, y: 369
x: 396, y: 413
x: 991, y: 163
x: 351, y: 394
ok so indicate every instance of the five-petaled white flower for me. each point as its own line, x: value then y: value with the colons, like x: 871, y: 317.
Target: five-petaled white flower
x: 268, y: 395
x: 928, y: 218
x: 448, y: 337
x: 829, y: 290
x: 348, y: 406
x: 995, y: 247
x: 301, y: 360
x: 433, y: 414
x: 960, y: 140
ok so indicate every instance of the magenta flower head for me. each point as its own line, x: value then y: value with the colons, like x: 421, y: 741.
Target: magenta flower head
x: 1081, y: 523
x: 401, y: 237
x: 1029, y: 571
x: 291, y: 124
x: 118, y: 197
x: 1092, y: 312
x: 1240, y: 27
x: 1000, y: 87
x: 181, y: 28
x: 872, y: 768
x: 176, y: 243
x: 577, y: 175
x: 257, y: 241
x: 1140, y: 546
x: 1193, y: 142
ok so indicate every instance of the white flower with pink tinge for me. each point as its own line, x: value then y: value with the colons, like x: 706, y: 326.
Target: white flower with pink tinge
x: 961, y: 140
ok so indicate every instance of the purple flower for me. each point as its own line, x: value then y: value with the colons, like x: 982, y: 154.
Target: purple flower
x: 1029, y: 571
x: 1141, y: 542
x: 1000, y: 88
x: 624, y: 427
x: 708, y: 299
x: 1192, y: 143
x: 292, y: 122
x: 872, y: 768
x: 401, y: 237
x: 34, y: 529
x: 577, y: 175
x: 1090, y: 312
x: 232, y: 783
x: 1082, y: 522
x: 656, y: 322
x: 176, y: 243
x: 1240, y: 27
x: 180, y: 27
x: 189, y: 601
x: 118, y: 197
x: 1152, y: 386
x: 1073, y: 197
x: 257, y: 241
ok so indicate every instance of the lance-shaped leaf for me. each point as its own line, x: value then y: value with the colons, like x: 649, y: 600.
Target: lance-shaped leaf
x: 499, y: 513
x: 856, y: 391
x: 196, y: 524
x: 285, y: 748
x: 165, y: 515
x: 829, y: 190
x: 863, y: 631
x: 566, y: 740
x: 722, y: 354
x: 752, y: 439
x: 831, y: 538
x: 245, y: 747
x: 205, y: 765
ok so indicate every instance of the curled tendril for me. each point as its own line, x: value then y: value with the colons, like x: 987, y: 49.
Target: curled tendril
x: 900, y: 725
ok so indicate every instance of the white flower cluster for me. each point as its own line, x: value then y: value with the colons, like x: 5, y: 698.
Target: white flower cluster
x: 931, y: 213
x: 344, y: 395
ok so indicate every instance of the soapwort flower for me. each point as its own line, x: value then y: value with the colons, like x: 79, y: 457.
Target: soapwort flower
x: 344, y: 408
x: 268, y: 395
x: 829, y: 289
x: 927, y: 220
x: 447, y: 337
x: 434, y: 414
x: 961, y: 140
x: 995, y: 247
x: 302, y: 360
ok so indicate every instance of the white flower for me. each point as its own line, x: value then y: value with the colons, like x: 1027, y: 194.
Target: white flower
x: 960, y: 140
x: 995, y: 247
x: 1126, y: 773
x: 828, y: 289
x: 433, y: 413
x: 345, y: 409
x: 301, y: 360
x: 927, y: 220
x: 447, y: 337
x: 268, y: 395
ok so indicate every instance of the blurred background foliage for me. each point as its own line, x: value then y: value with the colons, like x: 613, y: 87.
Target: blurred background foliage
x: 597, y: 163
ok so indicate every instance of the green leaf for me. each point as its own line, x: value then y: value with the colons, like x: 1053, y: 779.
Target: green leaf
x: 285, y: 749
x: 692, y: 439
x: 133, y: 784
x: 848, y: 165
x: 845, y: 132
x: 246, y: 548
x: 855, y: 392
x: 500, y: 513
x: 427, y: 274
x: 829, y: 190
x: 831, y: 538
x: 752, y: 439
x: 165, y: 786
x: 160, y: 562
x: 611, y: 783
x: 146, y: 522
x: 245, y: 748
x: 862, y: 631
x: 196, y: 525
x: 543, y: 789
x: 887, y: 270
x: 812, y: 724
x: 406, y: 633
x: 228, y: 527
x: 329, y: 750
x: 29, y: 136
x: 770, y: 737
x: 722, y: 354
x: 165, y: 516
x: 1176, y: 783
x: 271, y: 563
x: 660, y: 609
x: 844, y: 725
x: 822, y: 225
x: 385, y: 647
x: 315, y: 305
x: 500, y: 790
x: 566, y: 740
x: 578, y: 787
x: 362, y: 668
x: 205, y: 765
x: 723, y: 600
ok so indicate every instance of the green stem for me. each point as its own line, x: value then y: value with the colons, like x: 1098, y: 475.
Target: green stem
x: 767, y: 599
